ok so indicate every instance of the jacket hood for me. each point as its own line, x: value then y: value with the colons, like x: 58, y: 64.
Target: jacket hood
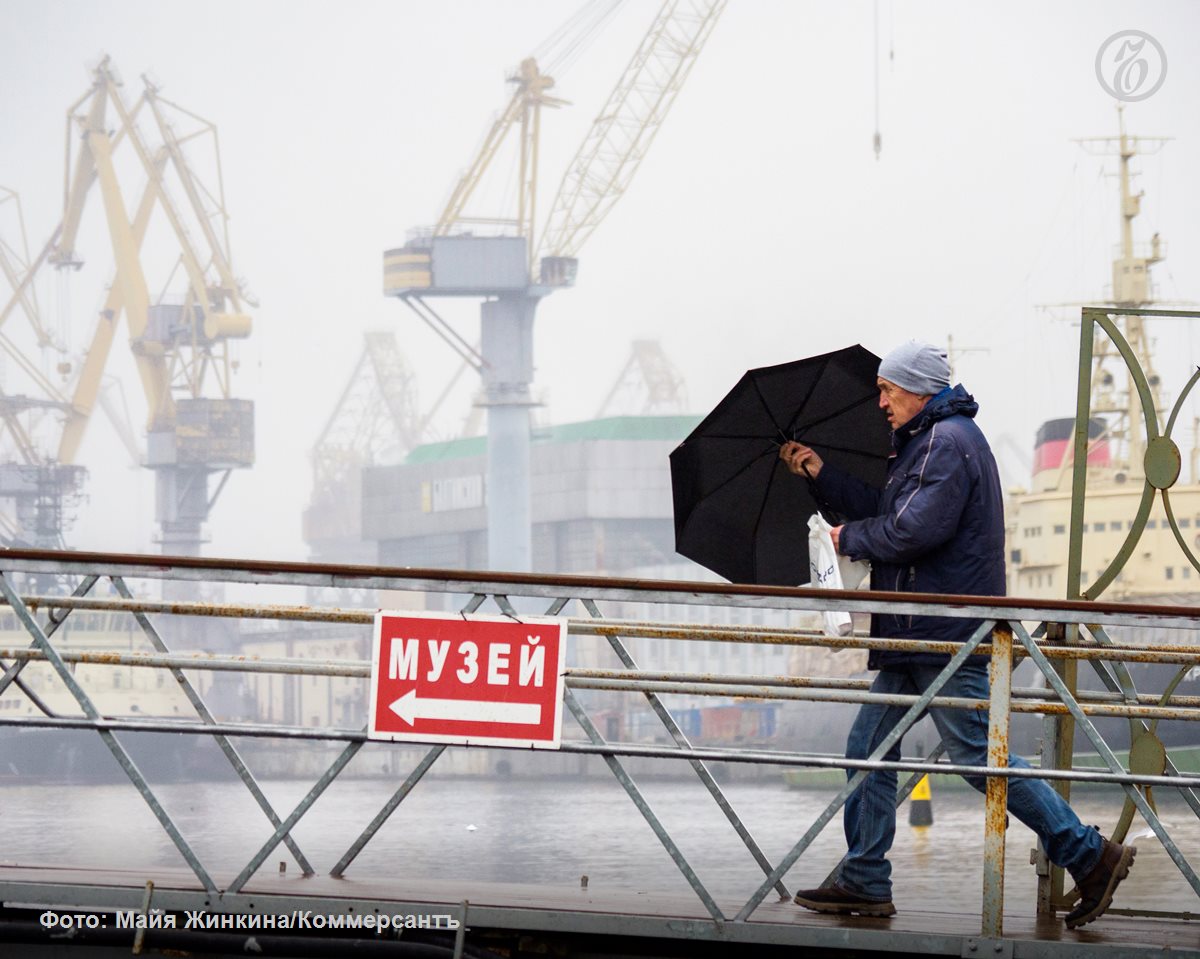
x: 952, y: 401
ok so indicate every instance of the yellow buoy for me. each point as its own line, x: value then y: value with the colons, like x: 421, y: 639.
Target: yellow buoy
x: 920, y: 807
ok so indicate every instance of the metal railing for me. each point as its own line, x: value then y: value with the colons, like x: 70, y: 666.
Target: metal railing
x: 1011, y: 629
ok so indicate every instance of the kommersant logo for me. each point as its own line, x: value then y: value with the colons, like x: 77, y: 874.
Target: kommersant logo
x: 1131, y: 65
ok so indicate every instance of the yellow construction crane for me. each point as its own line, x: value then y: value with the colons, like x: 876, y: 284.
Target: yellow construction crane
x: 514, y: 271
x: 180, y: 341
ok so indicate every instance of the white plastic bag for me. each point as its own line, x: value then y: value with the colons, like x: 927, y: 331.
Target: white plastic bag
x: 828, y: 570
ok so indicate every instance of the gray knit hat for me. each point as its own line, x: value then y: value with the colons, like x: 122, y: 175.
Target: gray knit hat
x: 917, y: 367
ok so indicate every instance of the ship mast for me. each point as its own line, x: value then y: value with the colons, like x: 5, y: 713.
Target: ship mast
x: 1113, y: 393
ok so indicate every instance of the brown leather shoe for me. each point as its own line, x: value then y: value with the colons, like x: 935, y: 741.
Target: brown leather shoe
x: 835, y: 899
x: 1097, y: 889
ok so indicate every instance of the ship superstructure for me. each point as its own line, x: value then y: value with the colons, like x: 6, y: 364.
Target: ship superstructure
x: 1039, y: 517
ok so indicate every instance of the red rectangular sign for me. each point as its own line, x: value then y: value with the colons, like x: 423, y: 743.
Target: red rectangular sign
x: 457, y: 678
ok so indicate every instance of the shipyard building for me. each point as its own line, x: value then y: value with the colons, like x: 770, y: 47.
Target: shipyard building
x: 601, y: 499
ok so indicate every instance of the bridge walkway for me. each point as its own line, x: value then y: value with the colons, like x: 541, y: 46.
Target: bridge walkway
x: 519, y: 919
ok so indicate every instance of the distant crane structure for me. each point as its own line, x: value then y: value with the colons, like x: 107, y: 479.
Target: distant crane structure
x: 378, y: 419
x: 375, y: 421
x: 513, y: 270
x: 648, y: 385
x: 180, y: 341
x: 39, y: 489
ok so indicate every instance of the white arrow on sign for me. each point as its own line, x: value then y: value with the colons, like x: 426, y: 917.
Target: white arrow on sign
x: 409, y: 708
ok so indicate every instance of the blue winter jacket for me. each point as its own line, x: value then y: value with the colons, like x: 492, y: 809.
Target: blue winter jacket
x: 937, y: 526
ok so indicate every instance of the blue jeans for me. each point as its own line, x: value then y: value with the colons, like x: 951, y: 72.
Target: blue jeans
x: 870, y: 812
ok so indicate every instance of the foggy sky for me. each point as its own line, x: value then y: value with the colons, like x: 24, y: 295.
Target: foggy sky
x: 759, y: 229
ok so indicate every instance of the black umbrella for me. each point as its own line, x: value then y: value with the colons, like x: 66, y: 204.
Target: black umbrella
x: 738, y: 509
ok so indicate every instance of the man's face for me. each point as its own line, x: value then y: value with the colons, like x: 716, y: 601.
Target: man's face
x: 897, y: 403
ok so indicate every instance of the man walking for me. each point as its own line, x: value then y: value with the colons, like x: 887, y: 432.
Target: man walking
x: 936, y: 527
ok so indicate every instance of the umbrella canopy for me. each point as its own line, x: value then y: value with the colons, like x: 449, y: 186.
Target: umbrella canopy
x: 738, y: 509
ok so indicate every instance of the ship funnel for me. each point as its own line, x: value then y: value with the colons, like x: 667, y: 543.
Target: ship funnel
x: 1054, y: 439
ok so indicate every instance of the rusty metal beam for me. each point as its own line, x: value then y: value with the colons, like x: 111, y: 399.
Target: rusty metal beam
x: 996, y: 806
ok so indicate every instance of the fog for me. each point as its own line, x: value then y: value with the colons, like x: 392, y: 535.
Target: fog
x: 761, y: 226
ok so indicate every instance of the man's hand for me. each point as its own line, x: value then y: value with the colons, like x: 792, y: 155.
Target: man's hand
x: 835, y: 534
x: 799, y: 459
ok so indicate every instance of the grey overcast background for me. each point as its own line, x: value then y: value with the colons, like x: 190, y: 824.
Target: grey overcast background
x: 759, y: 229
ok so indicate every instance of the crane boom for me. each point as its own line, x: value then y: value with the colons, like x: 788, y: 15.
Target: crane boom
x: 76, y: 186
x: 524, y: 107
x: 626, y: 126
x: 19, y: 273
x: 228, y: 286
x: 87, y: 387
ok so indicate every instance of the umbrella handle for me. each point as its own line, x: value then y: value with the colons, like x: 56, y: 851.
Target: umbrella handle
x: 833, y: 517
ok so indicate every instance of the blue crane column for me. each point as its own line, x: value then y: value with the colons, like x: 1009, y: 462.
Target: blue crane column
x: 496, y: 268
x: 507, y: 347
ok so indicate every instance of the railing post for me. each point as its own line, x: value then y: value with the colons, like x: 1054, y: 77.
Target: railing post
x: 997, y: 786
x: 1058, y: 752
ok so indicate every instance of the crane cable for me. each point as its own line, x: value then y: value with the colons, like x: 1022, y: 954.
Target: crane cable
x: 878, y: 143
x: 878, y: 140
x: 563, y: 47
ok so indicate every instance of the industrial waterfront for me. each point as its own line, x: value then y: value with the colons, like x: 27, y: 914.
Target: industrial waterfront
x: 371, y: 433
